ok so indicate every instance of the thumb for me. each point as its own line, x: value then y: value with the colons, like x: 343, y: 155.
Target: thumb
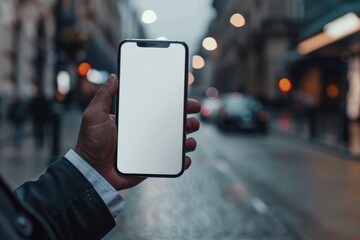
x: 103, y: 98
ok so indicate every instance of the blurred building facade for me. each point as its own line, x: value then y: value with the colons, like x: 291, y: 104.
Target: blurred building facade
x: 290, y: 39
x: 26, y: 41
x: 40, y: 38
x: 324, y: 67
x: 247, y: 57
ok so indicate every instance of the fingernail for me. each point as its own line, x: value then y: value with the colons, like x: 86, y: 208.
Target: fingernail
x: 111, y: 78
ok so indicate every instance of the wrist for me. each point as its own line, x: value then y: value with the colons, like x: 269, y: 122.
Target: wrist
x: 98, y: 165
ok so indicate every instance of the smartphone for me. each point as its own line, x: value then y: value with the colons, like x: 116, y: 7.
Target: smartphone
x: 151, y: 107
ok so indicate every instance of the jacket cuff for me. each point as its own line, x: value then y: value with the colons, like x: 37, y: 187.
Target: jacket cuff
x: 68, y: 202
x: 108, y: 194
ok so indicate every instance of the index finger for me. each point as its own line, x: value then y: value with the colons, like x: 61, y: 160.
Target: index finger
x: 193, y: 106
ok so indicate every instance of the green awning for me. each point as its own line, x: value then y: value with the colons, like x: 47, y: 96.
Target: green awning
x: 317, y: 26
x: 292, y: 57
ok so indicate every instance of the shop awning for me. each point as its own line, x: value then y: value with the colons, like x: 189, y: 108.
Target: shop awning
x: 317, y: 26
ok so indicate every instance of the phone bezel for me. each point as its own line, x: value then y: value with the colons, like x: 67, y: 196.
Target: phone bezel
x: 154, y: 44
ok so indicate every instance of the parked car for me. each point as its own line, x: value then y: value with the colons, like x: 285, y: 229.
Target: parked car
x: 242, y: 112
x: 209, y: 109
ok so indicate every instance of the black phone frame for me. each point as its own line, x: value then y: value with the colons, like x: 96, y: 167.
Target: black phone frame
x: 156, y: 44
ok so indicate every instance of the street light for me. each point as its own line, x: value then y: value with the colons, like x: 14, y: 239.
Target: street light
x: 209, y: 44
x: 63, y: 82
x: 191, y: 78
x: 83, y: 69
x: 148, y: 16
x: 285, y: 85
x: 343, y: 26
x: 237, y: 20
x: 333, y: 31
x: 198, y: 62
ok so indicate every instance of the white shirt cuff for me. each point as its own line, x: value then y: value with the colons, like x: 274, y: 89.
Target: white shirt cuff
x: 109, y: 195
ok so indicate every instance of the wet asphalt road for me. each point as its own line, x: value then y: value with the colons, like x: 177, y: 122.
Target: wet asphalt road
x: 240, y: 186
x: 248, y: 186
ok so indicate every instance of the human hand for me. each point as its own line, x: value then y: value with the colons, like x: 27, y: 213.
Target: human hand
x: 98, y: 136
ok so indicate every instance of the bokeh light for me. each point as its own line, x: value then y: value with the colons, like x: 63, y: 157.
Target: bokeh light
x: 198, y: 62
x: 191, y: 78
x: 63, y: 82
x: 209, y: 44
x: 83, y: 69
x: 285, y: 85
x: 237, y: 20
x: 149, y: 16
x: 97, y: 77
x: 212, y: 92
x: 332, y: 90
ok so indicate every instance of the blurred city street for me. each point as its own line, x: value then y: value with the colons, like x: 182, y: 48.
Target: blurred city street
x: 278, y: 151
x: 240, y: 186
x: 27, y: 162
x: 248, y: 187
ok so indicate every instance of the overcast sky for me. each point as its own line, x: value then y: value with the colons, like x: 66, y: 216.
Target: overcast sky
x: 185, y: 20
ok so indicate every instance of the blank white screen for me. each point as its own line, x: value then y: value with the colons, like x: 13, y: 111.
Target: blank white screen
x: 151, y: 109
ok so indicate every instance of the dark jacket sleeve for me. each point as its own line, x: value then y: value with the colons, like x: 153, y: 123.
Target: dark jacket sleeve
x: 68, y: 203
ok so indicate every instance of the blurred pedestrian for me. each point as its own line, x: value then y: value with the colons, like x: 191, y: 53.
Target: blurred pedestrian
x: 16, y: 115
x: 40, y: 111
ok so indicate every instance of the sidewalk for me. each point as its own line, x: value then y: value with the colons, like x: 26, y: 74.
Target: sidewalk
x: 24, y: 163
x: 285, y: 123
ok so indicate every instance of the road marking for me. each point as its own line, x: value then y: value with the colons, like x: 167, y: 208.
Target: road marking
x: 225, y: 169
x: 259, y: 205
